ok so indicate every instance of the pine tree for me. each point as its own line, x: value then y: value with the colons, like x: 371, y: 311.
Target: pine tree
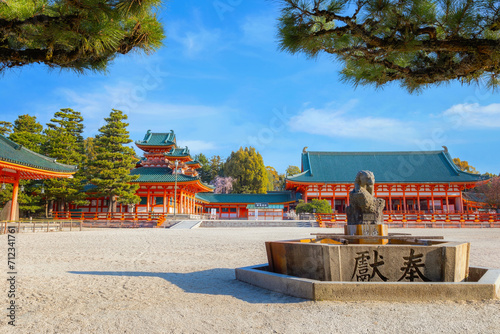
x: 28, y: 133
x: 5, y: 128
x: 204, y: 171
x: 216, y: 165
x: 415, y: 42
x: 114, y: 160
x: 80, y: 35
x: 64, y: 142
x: 247, y: 167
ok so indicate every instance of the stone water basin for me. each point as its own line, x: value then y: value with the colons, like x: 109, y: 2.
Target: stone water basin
x: 401, y: 270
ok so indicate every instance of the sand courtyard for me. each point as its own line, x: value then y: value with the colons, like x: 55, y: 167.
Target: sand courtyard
x: 182, y: 281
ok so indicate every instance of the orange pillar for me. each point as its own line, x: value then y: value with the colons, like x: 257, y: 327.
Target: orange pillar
x: 347, y: 196
x: 404, y: 199
x: 333, y: 198
x: 432, y: 199
x: 418, y: 198
x: 461, y: 201
x: 390, y: 198
x: 447, y: 202
x: 164, y: 200
x: 15, y: 192
x: 148, y: 204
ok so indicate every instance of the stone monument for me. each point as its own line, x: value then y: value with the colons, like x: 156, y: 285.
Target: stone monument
x: 365, y: 213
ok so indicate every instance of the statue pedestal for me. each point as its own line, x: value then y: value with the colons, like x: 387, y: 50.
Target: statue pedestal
x: 368, y: 230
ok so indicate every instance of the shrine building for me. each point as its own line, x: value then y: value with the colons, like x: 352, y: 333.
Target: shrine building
x: 165, y: 165
x: 18, y: 163
x: 425, y: 181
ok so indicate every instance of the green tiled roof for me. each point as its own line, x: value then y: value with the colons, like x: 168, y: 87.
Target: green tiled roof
x: 280, y: 197
x: 158, y: 139
x: 15, y: 153
x: 388, y: 167
x: 475, y: 197
x: 159, y: 174
x: 178, y: 152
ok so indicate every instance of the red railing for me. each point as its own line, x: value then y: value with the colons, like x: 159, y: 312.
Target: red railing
x: 421, y: 219
x: 129, y: 216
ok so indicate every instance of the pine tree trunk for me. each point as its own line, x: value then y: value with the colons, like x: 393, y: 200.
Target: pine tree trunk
x: 110, y: 204
x: 50, y: 208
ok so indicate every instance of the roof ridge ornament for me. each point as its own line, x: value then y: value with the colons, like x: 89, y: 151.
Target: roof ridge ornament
x: 304, y: 150
x: 445, y: 149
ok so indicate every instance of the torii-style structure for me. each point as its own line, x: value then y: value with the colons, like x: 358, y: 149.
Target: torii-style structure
x: 18, y: 163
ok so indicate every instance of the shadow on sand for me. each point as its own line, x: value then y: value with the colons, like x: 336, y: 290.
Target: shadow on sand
x: 218, y: 281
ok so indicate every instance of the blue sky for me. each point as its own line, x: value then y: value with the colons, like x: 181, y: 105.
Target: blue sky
x: 220, y: 82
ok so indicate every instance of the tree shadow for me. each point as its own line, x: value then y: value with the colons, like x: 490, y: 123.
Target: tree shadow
x: 217, y: 281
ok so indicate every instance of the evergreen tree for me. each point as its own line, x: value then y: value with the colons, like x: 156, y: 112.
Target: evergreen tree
x: 314, y: 206
x: 114, y: 160
x: 28, y: 132
x: 273, y: 179
x: 5, y: 128
x: 216, y: 164
x: 415, y: 42
x: 90, y: 155
x: 204, y: 171
x: 64, y: 142
x: 80, y: 35
x: 247, y: 167
x: 292, y: 170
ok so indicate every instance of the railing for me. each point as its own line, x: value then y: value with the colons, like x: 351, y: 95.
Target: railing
x: 38, y: 226
x: 147, y: 216
x: 421, y: 219
x: 124, y: 216
x: 74, y: 225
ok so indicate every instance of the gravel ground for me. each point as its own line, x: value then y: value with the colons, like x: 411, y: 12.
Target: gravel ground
x: 182, y: 281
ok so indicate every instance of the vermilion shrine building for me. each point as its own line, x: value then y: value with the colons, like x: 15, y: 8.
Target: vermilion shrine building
x: 157, y: 180
x: 426, y: 181
x: 18, y: 163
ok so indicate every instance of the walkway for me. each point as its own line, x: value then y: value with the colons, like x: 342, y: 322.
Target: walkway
x: 186, y: 224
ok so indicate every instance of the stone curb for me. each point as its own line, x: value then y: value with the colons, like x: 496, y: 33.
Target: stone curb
x: 486, y: 287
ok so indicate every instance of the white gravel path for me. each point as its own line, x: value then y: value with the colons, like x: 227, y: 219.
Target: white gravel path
x: 182, y: 281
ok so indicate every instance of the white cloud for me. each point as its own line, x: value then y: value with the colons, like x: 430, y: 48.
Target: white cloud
x: 473, y: 115
x: 197, y: 146
x: 194, y: 39
x: 203, y: 128
x: 258, y: 30
x: 340, y: 122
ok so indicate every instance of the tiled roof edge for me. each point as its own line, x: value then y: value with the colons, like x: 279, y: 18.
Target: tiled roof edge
x: 49, y: 159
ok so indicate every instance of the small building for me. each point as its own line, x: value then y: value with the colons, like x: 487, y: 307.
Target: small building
x: 426, y: 181
x: 270, y: 206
